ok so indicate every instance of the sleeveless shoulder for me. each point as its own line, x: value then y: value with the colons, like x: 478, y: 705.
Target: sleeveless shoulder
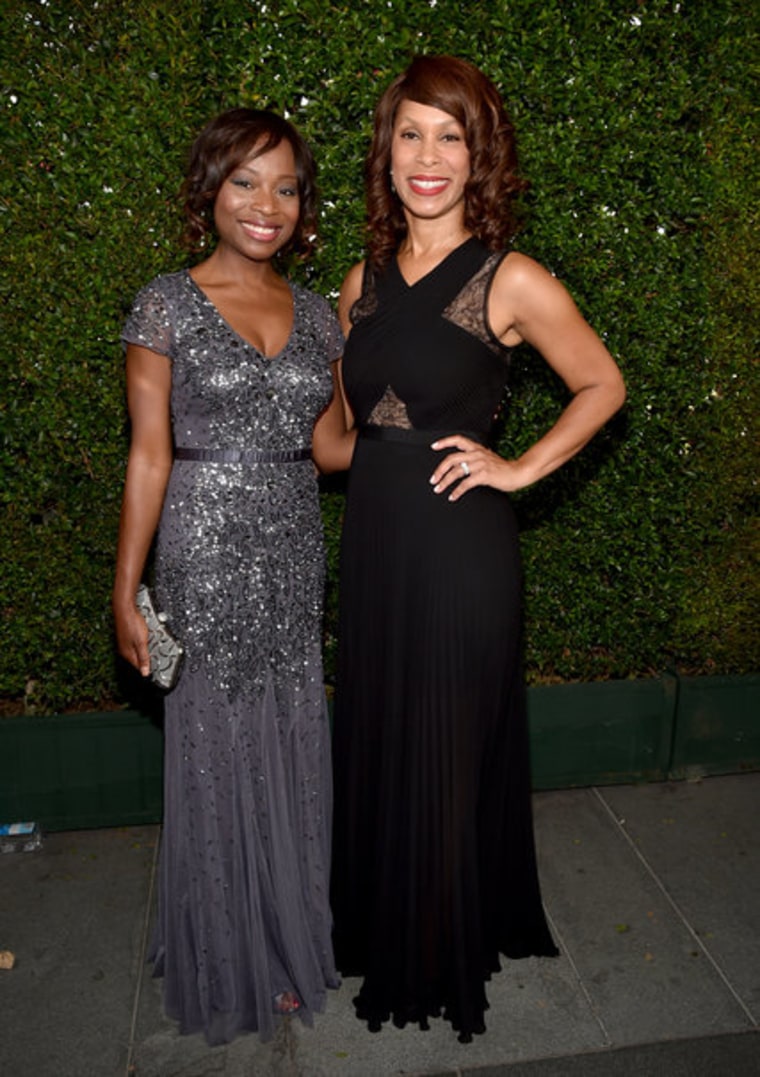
x: 153, y: 318
x: 366, y: 304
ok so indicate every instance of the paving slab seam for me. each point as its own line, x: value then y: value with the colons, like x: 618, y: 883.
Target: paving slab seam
x: 457, y: 1071
x: 564, y: 950
x: 675, y: 907
x: 437, y: 1072
x: 141, y: 958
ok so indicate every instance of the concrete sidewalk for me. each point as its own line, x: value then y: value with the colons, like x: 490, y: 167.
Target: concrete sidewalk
x: 653, y: 894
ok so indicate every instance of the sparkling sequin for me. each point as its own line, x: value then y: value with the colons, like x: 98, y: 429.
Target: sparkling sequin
x: 240, y: 566
x: 243, y: 908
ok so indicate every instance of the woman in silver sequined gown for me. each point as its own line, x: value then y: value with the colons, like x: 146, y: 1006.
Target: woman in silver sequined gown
x: 228, y: 367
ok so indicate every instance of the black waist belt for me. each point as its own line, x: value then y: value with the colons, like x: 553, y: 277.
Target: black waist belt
x: 242, y: 456
x: 416, y: 437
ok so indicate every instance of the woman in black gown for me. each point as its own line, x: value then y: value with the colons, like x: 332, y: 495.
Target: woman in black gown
x: 434, y: 870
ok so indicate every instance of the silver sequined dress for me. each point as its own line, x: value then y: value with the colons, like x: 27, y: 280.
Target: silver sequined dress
x: 244, y: 884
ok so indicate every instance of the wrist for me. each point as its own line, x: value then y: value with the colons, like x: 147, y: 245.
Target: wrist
x: 525, y: 471
x: 123, y: 596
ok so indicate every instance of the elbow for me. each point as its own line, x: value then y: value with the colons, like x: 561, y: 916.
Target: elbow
x: 619, y: 393
x: 323, y: 465
x: 326, y: 462
x: 611, y: 392
x: 331, y: 455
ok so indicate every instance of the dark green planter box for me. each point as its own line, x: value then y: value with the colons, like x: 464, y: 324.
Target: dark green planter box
x: 601, y: 733
x: 72, y: 772
x: 718, y: 727
x: 75, y: 771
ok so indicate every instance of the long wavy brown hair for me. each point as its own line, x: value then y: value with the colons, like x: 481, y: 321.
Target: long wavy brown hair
x: 460, y: 89
x: 221, y: 146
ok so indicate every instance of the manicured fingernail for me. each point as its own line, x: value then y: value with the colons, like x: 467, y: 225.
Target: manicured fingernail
x: 434, y: 445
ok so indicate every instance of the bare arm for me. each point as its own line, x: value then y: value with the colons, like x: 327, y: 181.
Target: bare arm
x: 334, y: 436
x: 334, y: 433
x: 528, y: 303
x: 148, y: 468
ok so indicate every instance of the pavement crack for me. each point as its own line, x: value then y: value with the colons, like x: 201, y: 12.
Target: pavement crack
x: 675, y: 907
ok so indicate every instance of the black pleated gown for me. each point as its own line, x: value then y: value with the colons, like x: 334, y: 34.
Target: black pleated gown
x: 434, y: 871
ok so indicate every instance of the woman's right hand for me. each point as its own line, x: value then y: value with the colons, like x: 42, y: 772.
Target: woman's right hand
x: 132, y: 635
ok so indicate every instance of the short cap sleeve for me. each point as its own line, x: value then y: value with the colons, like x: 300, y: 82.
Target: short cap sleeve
x: 334, y: 339
x: 149, y: 323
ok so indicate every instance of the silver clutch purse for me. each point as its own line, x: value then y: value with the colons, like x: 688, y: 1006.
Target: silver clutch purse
x: 165, y: 650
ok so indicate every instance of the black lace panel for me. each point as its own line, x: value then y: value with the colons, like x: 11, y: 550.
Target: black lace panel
x: 390, y: 411
x: 468, y: 309
x: 366, y: 304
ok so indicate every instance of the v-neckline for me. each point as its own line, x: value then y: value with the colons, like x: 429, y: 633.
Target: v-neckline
x: 231, y: 329
x: 434, y: 269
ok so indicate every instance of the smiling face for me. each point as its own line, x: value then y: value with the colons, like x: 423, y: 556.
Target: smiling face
x: 430, y: 161
x: 257, y: 208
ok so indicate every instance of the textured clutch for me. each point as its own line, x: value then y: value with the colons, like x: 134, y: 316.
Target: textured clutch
x: 166, y: 652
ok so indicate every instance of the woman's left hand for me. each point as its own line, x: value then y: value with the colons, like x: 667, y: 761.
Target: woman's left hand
x: 471, y: 465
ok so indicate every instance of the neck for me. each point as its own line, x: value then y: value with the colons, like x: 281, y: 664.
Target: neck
x: 228, y: 266
x: 425, y: 239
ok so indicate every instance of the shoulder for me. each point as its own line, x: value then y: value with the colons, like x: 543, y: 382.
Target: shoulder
x: 351, y: 288
x: 161, y: 291
x: 527, y: 297
x: 166, y: 283
x: 319, y: 318
x: 517, y: 270
x: 308, y: 297
x: 317, y: 305
x: 350, y: 293
x: 152, y: 321
x: 522, y: 283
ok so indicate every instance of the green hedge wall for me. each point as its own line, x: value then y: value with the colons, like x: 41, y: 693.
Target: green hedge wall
x: 635, y: 123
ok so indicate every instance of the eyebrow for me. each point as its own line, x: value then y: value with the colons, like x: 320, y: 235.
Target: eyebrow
x: 243, y: 167
x: 404, y: 117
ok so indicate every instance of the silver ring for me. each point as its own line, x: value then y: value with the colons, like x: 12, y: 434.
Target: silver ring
x: 464, y: 466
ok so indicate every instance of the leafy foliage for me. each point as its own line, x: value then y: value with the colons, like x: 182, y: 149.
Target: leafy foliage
x: 636, y: 127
